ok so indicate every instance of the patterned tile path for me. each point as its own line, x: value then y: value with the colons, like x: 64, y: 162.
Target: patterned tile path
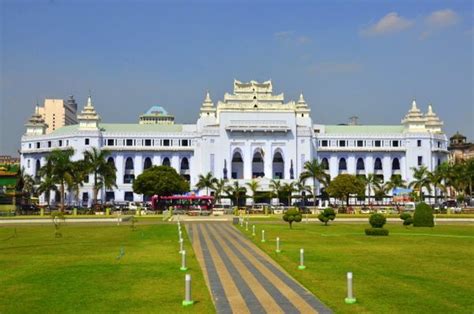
x: 243, y: 279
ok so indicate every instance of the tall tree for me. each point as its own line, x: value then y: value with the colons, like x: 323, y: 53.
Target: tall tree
x: 161, y: 181
x: 371, y: 181
x: 47, y: 183
x: 25, y: 184
x: 395, y: 181
x: 253, y: 187
x: 275, y: 185
x: 288, y: 189
x: 315, y: 171
x: 62, y: 170
x: 302, y: 189
x: 436, y: 178
x: 420, y: 180
x: 219, y: 189
x: 206, y: 182
x: 78, y: 176
x: 104, y: 173
x: 344, y: 185
x: 236, y: 193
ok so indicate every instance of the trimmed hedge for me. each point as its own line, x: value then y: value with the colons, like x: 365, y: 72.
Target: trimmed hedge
x: 376, y: 232
x: 377, y: 220
x: 423, y: 216
x: 407, y: 219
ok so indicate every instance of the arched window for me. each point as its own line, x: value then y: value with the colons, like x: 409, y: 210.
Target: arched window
x: 278, y: 166
x: 325, y: 164
x: 111, y: 161
x: 184, y: 164
x: 257, y: 164
x: 184, y: 168
x: 237, y: 166
x: 147, y: 164
x: 129, y: 175
x: 395, y: 164
x: 360, y: 164
x: 378, y: 164
x: 342, y: 164
x: 37, y: 169
x: 166, y: 162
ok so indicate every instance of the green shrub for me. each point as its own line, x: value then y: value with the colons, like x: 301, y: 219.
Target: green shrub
x: 423, y: 216
x: 326, y: 215
x: 407, y: 219
x: 377, y: 220
x: 376, y: 232
x: 292, y: 215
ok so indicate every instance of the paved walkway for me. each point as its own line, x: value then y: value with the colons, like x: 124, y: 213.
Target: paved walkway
x: 243, y: 279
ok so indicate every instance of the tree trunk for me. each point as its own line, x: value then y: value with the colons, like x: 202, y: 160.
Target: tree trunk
x: 291, y: 224
x: 314, y: 192
x: 62, y: 197
x: 95, y: 190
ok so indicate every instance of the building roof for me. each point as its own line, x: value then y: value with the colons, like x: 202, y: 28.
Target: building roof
x: 124, y: 127
x: 156, y: 110
x: 363, y: 129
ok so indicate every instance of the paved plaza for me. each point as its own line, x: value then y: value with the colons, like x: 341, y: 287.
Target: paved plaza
x: 243, y: 279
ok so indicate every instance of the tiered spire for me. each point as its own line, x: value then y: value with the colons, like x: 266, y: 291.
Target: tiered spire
x: 88, y: 118
x: 207, y: 108
x: 414, y: 120
x: 433, y: 123
x: 301, y: 102
x: 36, y: 124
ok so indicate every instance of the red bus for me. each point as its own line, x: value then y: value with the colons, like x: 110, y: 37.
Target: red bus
x: 183, y: 202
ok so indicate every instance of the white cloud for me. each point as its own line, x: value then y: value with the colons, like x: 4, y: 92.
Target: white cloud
x: 390, y: 23
x: 303, y: 40
x: 442, y: 18
x: 335, y: 67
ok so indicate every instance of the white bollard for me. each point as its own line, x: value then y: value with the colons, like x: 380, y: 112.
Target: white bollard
x: 278, y: 245
x: 253, y: 230
x: 187, y: 291
x: 181, y: 249
x: 301, y: 266
x: 263, y: 235
x: 350, y: 297
x: 246, y: 226
x: 183, y: 261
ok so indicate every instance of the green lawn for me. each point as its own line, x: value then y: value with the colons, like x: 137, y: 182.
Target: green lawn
x: 80, y: 272
x: 414, y: 270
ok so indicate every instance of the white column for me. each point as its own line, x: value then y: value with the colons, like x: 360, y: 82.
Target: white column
x: 387, y: 167
x: 156, y: 160
x: 369, y: 164
x: 120, y: 166
x: 247, y: 158
x: 268, y: 161
x: 138, y: 165
x: 333, y: 166
x: 351, y: 165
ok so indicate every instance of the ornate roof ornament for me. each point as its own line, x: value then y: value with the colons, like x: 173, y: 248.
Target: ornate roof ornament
x: 88, y: 118
x: 301, y: 102
x: 433, y: 123
x: 414, y: 120
x: 207, y: 101
x: 36, y: 124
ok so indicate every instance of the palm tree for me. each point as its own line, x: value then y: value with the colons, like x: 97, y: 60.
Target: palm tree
x: 315, y: 171
x: 371, y: 182
x: 395, y: 181
x: 420, y: 181
x: 46, y: 186
x: 275, y: 185
x: 288, y: 189
x: 61, y: 170
x: 219, y: 188
x: 302, y: 187
x: 253, y: 186
x: 236, y: 192
x: 436, y: 178
x: 206, y: 182
x: 77, y: 177
x: 104, y: 172
x: 25, y: 184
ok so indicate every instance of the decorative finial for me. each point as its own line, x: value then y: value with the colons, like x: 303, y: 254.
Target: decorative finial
x: 413, y: 104
x: 430, y: 109
x: 89, y: 101
x: 208, y: 97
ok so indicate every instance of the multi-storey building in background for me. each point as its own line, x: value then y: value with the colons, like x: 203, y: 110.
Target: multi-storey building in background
x: 252, y: 134
x: 58, y: 113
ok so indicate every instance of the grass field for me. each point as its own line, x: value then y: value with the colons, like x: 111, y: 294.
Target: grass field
x: 81, y: 272
x: 414, y: 270
x: 278, y: 217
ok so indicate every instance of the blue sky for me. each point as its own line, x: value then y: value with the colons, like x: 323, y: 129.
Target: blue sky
x: 364, y: 58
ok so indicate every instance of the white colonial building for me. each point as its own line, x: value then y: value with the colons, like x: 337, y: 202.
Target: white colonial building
x: 250, y: 134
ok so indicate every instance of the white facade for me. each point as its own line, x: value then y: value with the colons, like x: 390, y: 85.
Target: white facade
x: 250, y: 134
